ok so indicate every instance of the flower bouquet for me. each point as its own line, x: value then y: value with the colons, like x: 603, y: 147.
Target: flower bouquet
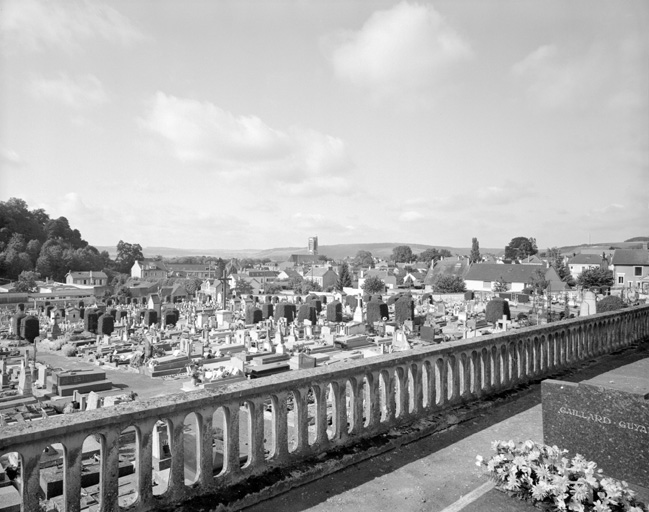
x: 542, y: 475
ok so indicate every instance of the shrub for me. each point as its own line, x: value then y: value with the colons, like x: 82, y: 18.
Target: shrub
x: 495, y: 310
x: 307, y: 312
x: 16, y: 323
x: 335, y: 311
x: 91, y: 321
x: 253, y: 315
x: 267, y: 310
x: 170, y: 318
x: 317, y: 304
x: 376, y: 311
x: 285, y: 310
x: 610, y: 303
x: 150, y: 317
x: 351, y: 301
x: 29, y: 328
x: 106, y: 324
x: 542, y: 475
x: 404, y: 309
x: 69, y: 350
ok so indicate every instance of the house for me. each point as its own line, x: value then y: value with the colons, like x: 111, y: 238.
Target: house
x: 263, y: 276
x: 288, y: 273
x: 90, y: 278
x: 631, y: 268
x: 390, y: 280
x: 454, y: 267
x: 323, y: 276
x: 191, y: 271
x: 414, y: 278
x: 483, y: 276
x: 149, y: 269
x: 584, y: 261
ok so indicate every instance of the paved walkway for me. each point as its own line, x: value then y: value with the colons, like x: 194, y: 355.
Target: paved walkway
x: 430, y: 475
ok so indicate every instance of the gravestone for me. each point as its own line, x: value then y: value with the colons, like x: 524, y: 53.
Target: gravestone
x: 588, y: 305
x: 605, y: 419
x: 94, y: 401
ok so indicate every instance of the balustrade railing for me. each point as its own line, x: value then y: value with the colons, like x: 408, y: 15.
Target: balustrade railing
x: 215, y: 439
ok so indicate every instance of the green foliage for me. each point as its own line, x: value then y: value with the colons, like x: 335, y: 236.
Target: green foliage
x: 127, y: 255
x: 475, y: 251
x: 448, y: 284
x: 404, y: 309
x: 402, y: 254
x: 500, y: 285
x: 267, y: 310
x: 364, y: 259
x: 373, y: 284
x: 307, y: 312
x: 253, y: 315
x: 520, y: 248
x: 91, y: 321
x: 29, y: 328
x: 334, y: 311
x: 27, y: 281
x: 345, y: 278
x: 377, y: 311
x: 538, y: 283
x: 495, y: 310
x: 610, y: 303
x: 150, y: 317
x: 430, y: 255
x: 106, y: 324
x: 595, y: 278
x: 69, y: 350
x: 285, y: 310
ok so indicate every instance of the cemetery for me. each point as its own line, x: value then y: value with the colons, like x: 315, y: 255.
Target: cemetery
x: 311, y: 373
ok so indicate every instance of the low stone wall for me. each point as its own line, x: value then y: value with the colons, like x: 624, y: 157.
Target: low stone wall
x: 367, y: 397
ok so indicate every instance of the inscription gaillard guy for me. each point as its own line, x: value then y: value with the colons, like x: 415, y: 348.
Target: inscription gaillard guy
x: 604, y: 420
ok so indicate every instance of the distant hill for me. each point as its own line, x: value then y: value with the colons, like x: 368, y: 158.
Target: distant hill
x: 337, y: 252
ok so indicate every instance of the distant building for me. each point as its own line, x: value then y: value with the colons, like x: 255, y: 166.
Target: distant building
x: 584, y: 261
x: 325, y: 277
x: 89, y: 278
x: 631, y: 268
x: 482, y: 276
x: 149, y: 269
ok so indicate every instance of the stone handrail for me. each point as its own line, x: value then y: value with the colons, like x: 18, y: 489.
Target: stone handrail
x: 367, y: 397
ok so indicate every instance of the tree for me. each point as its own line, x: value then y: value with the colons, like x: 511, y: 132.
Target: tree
x: 364, y: 259
x: 309, y: 286
x: 345, y: 278
x: 520, y: 248
x: 373, y: 284
x: 475, y: 251
x: 127, y: 255
x: 443, y: 283
x: 27, y: 281
x: 500, y: 285
x: 595, y: 278
x: 538, y: 283
x: 402, y: 254
x: 432, y: 255
x: 563, y: 271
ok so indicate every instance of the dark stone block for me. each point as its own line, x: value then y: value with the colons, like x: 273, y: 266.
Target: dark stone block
x: 605, y: 419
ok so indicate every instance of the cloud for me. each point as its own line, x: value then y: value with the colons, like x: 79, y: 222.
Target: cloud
x: 38, y: 24
x: 400, y: 54
x: 80, y: 92
x: 201, y: 133
x: 10, y: 158
x: 410, y: 216
x: 609, y: 75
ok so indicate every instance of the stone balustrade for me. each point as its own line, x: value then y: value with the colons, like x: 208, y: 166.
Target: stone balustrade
x: 330, y: 406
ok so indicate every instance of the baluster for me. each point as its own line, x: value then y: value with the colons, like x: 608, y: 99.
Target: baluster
x: 356, y: 406
x: 145, y: 462
x: 72, y: 476
x: 280, y: 426
x: 390, y: 399
x: 256, y: 429
x: 31, y: 461
x: 109, y: 470
x: 339, y: 412
x: 320, y: 392
x: 176, y: 488
x: 231, y: 439
x: 205, y: 452
x: 416, y: 400
x: 301, y: 415
x: 373, y: 381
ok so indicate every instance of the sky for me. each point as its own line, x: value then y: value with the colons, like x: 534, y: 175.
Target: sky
x: 249, y: 125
